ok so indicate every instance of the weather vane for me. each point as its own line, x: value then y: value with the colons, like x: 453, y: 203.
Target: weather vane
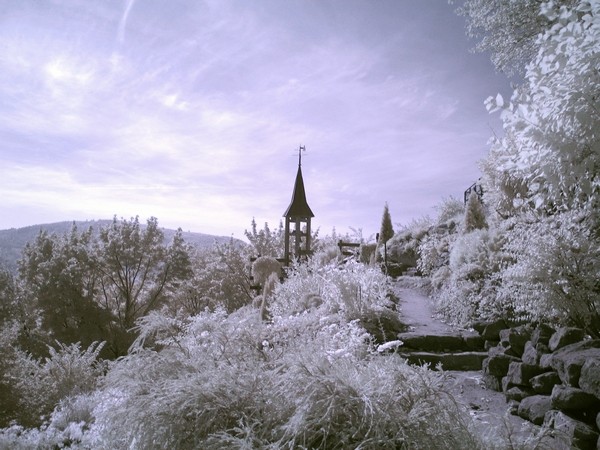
x: 301, y: 149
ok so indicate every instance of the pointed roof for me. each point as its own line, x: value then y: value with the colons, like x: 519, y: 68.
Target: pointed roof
x: 299, y: 206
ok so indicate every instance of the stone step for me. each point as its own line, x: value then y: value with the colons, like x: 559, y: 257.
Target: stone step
x: 464, y: 361
x: 467, y: 342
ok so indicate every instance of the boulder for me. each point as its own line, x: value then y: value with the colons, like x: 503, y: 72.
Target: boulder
x: 516, y: 338
x: 492, y: 331
x: 543, y: 383
x: 565, y: 336
x: 497, y: 364
x: 506, y: 384
x: 518, y: 393
x: 589, y: 379
x: 542, y: 334
x: 513, y: 407
x: 546, y: 361
x: 503, y: 348
x: 520, y: 374
x: 497, y: 350
x: 542, y: 349
x: 530, y: 354
x: 568, y: 398
x: 512, y: 352
x: 534, y: 408
x: 492, y: 382
x: 569, y: 360
x: 571, y: 433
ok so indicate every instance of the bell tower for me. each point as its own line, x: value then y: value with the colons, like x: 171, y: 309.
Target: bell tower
x: 297, y: 220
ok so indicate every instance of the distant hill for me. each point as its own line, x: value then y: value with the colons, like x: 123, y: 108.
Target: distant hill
x: 13, y: 241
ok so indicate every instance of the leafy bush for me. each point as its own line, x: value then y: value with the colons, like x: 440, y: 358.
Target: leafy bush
x: 434, y: 251
x: 42, y: 384
x: 555, y: 272
x: 474, y: 214
x: 403, y: 248
x: 367, y: 253
x: 352, y: 289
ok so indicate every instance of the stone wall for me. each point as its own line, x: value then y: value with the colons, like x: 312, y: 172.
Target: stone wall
x: 549, y: 376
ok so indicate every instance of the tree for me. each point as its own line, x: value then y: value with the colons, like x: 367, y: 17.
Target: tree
x: 59, y: 278
x: 508, y: 30
x: 7, y: 295
x: 552, y: 142
x: 136, y: 272
x: 92, y: 287
x: 220, y: 277
x: 545, y: 172
x: 387, y: 230
x: 265, y: 241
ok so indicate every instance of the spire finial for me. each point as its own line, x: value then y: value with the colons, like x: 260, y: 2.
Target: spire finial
x: 301, y: 149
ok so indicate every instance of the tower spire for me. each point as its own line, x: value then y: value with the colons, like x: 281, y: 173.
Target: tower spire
x: 297, y: 219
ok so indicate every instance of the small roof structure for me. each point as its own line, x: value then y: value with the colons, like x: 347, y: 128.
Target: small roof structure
x: 299, y: 206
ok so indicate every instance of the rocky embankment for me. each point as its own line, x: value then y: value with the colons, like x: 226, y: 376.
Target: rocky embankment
x: 549, y: 376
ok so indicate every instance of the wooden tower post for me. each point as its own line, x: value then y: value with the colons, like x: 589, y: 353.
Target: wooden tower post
x: 297, y: 215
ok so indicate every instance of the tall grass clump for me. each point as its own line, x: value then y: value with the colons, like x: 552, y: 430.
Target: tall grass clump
x: 228, y: 381
x: 352, y: 290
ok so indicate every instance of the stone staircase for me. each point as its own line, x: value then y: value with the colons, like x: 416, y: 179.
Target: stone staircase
x: 462, y: 351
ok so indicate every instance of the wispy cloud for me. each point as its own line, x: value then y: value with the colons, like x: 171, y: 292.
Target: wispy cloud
x: 123, y: 22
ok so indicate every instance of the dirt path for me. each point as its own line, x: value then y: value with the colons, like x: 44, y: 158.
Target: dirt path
x: 417, y: 312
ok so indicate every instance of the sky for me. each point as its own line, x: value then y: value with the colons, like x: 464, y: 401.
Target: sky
x: 192, y: 111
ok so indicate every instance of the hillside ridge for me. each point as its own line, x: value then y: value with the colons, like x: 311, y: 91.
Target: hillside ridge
x: 13, y: 240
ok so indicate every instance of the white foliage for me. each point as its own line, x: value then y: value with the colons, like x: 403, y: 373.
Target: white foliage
x: 553, y: 118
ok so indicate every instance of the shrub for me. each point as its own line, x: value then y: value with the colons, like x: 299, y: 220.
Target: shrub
x: 466, y: 289
x: 367, y: 253
x: 41, y: 384
x: 474, y: 214
x: 555, y: 272
x: 352, y: 289
x: 263, y: 267
x: 305, y: 381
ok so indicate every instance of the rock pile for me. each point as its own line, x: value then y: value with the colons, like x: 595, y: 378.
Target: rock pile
x: 549, y: 376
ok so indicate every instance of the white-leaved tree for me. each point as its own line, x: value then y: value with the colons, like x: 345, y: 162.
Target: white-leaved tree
x: 508, y: 30
x: 545, y: 172
x: 553, y: 142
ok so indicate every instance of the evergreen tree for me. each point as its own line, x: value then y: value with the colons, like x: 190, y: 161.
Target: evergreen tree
x: 387, y: 230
